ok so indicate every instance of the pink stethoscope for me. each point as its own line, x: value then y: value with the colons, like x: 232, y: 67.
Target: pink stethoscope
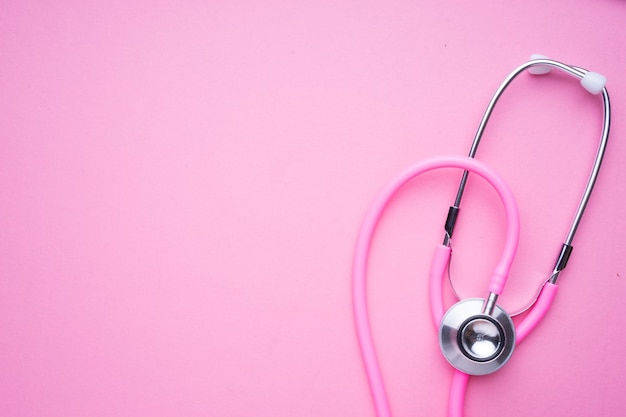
x: 476, y: 336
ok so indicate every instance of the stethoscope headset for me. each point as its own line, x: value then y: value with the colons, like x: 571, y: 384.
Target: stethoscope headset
x: 476, y: 336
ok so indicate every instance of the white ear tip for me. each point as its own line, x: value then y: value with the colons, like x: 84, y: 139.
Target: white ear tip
x: 593, y: 82
x: 539, y: 69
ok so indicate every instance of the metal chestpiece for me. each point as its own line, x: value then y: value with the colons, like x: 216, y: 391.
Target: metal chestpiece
x: 477, y: 338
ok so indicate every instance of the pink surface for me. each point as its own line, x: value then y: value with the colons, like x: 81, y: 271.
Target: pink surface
x: 181, y: 187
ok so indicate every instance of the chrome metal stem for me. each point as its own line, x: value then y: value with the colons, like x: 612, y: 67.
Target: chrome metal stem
x: 490, y: 304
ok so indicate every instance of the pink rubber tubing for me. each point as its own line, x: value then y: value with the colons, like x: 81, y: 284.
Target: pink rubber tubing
x: 535, y: 315
x: 456, y: 402
x: 438, y: 269
x: 364, y: 240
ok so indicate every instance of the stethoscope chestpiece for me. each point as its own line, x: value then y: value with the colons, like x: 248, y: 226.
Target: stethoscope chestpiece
x: 474, y: 340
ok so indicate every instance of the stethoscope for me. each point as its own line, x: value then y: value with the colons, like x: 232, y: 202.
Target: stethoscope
x: 476, y: 336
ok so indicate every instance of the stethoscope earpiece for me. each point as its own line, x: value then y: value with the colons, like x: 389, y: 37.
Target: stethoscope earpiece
x: 591, y: 81
x: 473, y: 341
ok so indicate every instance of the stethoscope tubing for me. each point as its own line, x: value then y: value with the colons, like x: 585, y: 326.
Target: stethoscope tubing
x: 361, y: 256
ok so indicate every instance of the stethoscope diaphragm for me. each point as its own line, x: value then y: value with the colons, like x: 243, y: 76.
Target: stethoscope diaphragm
x: 475, y: 342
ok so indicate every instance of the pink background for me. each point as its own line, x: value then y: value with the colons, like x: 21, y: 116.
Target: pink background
x: 181, y: 184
